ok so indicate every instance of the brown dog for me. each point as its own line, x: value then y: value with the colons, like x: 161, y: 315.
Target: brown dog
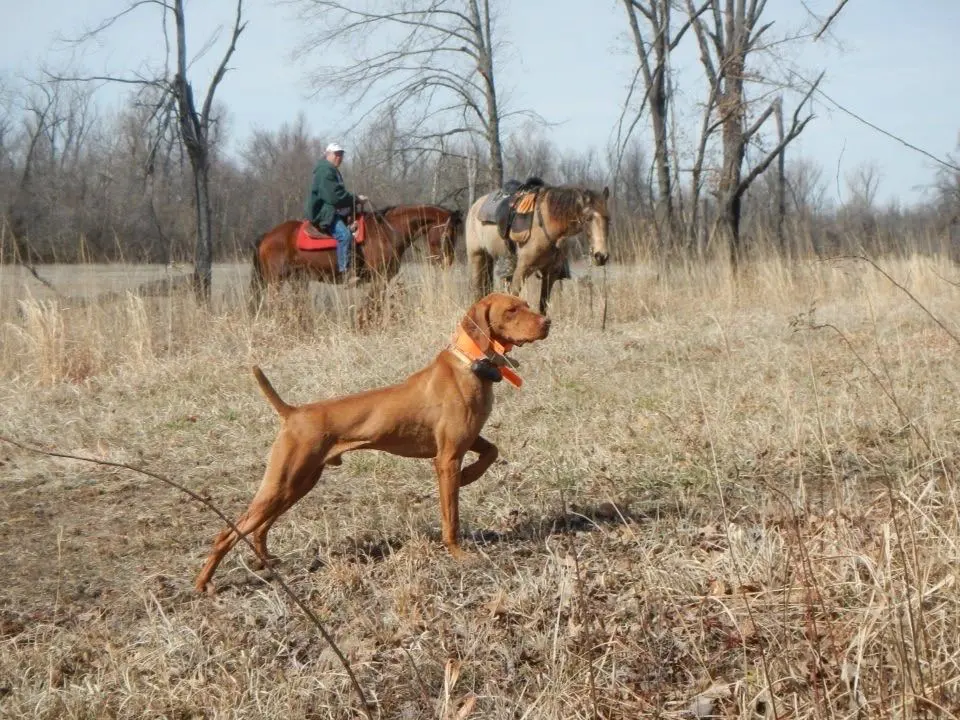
x: 436, y: 413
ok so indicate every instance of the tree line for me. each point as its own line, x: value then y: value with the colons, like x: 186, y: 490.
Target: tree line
x: 153, y: 182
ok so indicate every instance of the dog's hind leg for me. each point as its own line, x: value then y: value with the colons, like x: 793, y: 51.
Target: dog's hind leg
x: 259, y: 536
x: 289, y: 476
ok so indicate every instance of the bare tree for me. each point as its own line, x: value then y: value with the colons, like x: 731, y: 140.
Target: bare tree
x: 634, y: 193
x: 863, y: 182
x: 728, y: 34
x: 947, y: 202
x: 282, y: 161
x: 531, y: 153
x: 174, y: 100
x: 55, y: 121
x: 947, y: 188
x: 430, y: 62
x: 653, y: 54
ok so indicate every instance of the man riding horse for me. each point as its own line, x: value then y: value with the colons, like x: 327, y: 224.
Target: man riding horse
x: 329, y: 205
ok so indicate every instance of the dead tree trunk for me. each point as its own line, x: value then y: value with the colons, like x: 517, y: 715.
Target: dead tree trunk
x: 653, y: 55
x: 195, y: 133
x: 485, y: 68
x: 734, y: 32
x: 194, y: 125
x: 781, y: 184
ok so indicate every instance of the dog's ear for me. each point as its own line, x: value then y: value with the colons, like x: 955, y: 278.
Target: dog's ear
x: 476, y: 323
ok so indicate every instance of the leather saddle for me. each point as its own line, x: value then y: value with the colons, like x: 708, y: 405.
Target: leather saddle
x: 511, y: 207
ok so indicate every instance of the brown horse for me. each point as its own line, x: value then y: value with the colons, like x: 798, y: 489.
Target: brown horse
x: 388, y: 233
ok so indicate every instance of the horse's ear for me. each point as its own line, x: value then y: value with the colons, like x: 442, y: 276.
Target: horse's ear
x: 476, y: 323
x: 606, y: 192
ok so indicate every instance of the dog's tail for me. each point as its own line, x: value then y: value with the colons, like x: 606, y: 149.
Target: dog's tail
x: 282, y: 408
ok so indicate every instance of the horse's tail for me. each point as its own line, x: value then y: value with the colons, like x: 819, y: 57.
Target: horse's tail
x: 257, y: 279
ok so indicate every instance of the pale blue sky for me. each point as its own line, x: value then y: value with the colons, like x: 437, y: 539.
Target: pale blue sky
x: 571, y: 61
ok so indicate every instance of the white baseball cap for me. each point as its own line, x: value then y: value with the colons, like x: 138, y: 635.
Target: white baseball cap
x: 334, y: 148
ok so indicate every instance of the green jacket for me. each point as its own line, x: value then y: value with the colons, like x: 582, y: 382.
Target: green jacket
x: 327, y: 195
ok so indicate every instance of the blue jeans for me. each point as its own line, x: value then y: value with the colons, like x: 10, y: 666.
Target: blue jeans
x: 344, y: 238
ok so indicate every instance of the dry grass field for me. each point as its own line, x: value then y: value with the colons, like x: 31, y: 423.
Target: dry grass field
x: 735, y: 501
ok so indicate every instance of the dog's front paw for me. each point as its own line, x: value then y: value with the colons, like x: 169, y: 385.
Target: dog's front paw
x: 458, y: 553
x: 205, y: 588
x: 266, y: 561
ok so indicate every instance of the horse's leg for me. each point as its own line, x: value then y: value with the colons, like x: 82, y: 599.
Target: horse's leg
x: 481, y: 272
x: 557, y: 270
x: 274, y: 285
x: 505, y: 265
x: 264, y: 276
x: 547, y: 279
x: 524, y: 270
x: 258, y: 284
x: 300, y: 284
x: 371, y: 310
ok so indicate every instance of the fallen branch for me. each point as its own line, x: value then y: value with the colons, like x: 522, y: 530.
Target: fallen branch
x: 243, y: 536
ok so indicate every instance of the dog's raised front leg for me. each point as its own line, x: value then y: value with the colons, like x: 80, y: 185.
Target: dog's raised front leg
x: 488, y: 454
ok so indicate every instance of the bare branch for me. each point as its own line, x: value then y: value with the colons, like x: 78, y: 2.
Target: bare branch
x: 140, y: 81
x: 830, y: 19
x: 284, y: 585
x: 439, y: 64
x: 648, y: 14
x: 752, y: 130
x: 701, y: 32
x: 110, y: 21
x: 796, y: 128
x: 688, y: 24
x: 238, y: 27
x: 940, y: 161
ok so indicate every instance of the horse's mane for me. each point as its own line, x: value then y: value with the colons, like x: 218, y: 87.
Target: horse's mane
x: 565, y: 202
x: 456, y: 215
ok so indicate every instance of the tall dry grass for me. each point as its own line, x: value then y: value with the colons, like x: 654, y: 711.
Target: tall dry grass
x: 738, y: 500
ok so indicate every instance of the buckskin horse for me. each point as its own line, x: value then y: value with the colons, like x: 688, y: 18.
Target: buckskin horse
x: 385, y: 237
x: 557, y: 214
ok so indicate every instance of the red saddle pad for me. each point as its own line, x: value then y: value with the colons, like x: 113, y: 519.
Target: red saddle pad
x: 309, y: 238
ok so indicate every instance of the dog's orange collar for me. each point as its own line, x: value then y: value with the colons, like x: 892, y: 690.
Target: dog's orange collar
x: 466, y: 346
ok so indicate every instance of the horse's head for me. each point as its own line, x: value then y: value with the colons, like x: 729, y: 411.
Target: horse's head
x: 576, y: 210
x: 442, y: 238
x: 595, y: 218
